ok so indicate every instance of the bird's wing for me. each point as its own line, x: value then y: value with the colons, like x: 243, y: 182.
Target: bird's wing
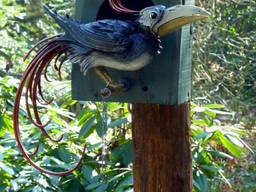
x: 104, y: 35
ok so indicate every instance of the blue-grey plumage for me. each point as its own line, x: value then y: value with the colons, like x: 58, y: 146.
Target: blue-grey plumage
x: 122, y: 45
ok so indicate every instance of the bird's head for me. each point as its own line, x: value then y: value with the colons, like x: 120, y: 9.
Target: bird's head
x: 150, y: 16
x: 161, y: 20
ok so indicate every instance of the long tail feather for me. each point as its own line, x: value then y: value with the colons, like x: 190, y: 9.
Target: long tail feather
x: 40, y: 43
x: 35, y: 150
x: 58, y: 68
x: 49, y: 49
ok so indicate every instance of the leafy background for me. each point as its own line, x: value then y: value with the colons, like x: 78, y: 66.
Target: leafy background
x: 223, y: 108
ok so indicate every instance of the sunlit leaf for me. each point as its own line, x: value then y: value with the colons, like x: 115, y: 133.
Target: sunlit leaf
x: 235, y: 140
x: 15, y: 185
x: 214, y: 106
x: 117, y: 122
x: 220, y: 112
x: 6, y: 168
x: 234, y: 149
x: 220, y: 154
x: 201, y: 182
x: 88, y: 127
x: 102, y: 126
x: 199, y: 122
x: 203, y: 135
x: 119, y: 176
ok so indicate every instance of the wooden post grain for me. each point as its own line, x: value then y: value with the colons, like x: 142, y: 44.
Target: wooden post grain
x: 161, y: 148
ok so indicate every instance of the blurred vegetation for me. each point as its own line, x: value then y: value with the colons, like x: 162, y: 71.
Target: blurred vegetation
x: 225, y: 57
x: 224, y: 61
x: 223, y: 109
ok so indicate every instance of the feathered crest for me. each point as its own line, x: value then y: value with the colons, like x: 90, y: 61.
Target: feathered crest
x: 117, y: 6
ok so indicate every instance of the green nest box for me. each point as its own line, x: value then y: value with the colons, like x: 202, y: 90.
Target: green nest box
x: 167, y: 80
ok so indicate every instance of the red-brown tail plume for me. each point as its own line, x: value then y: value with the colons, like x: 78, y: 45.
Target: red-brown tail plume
x: 117, y: 6
x: 49, y: 49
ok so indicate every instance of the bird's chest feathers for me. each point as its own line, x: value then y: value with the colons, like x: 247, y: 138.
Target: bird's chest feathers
x: 133, y: 64
x: 138, y: 55
x: 142, y: 44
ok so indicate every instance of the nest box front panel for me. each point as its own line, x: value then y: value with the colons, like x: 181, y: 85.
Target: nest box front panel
x: 167, y: 80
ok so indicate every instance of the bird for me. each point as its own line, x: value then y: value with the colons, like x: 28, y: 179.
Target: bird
x: 127, y: 45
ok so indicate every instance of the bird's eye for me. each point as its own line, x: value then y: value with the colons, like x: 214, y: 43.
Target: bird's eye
x: 153, y: 15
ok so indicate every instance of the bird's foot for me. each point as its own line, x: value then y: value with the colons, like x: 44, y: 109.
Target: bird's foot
x: 113, y: 89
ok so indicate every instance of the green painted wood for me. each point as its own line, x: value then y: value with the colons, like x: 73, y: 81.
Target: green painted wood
x: 167, y: 80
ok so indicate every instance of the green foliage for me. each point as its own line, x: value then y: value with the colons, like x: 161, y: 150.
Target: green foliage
x: 213, y: 144
x: 224, y: 57
x: 115, y: 173
x: 22, y: 24
x: 224, y: 72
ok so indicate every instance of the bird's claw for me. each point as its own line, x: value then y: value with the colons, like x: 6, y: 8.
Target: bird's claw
x: 112, y: 89
x: 105, y: 92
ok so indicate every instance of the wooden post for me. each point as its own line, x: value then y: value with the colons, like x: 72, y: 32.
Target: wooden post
x: 161, y: 148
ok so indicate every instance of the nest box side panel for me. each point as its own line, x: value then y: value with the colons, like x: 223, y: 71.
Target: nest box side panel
x: 185, y: 68
x: 166, y: 80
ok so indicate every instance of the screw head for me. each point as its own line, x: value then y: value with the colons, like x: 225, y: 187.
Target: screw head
x: 105, y: 92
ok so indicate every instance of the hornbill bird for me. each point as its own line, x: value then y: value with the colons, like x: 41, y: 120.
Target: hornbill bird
x: 120, y: 44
